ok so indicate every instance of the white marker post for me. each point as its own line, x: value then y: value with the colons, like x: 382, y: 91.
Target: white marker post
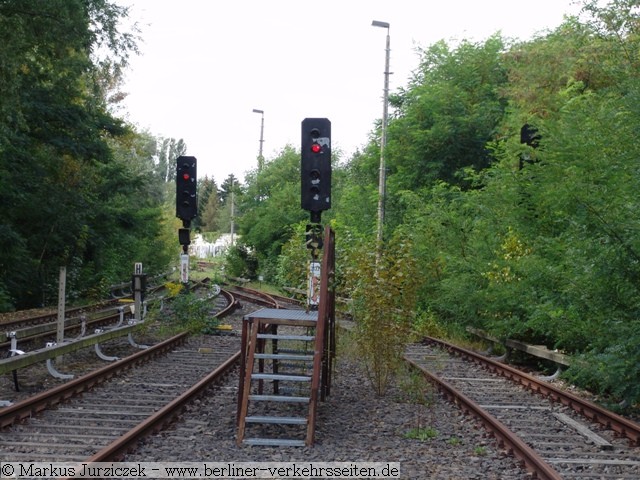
x: 313, y: 293
x: 137, y: 291
x: 184, y: 268
x: 62, y: 282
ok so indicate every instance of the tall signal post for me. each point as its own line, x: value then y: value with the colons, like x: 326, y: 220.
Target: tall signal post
x: 315, y: 192
x: 186, y: 207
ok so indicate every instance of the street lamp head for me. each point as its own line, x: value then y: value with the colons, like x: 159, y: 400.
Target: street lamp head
x: 255, y: 110
x: 376, y: 23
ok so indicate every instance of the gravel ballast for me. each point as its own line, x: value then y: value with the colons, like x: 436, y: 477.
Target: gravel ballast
x: 353, y: 425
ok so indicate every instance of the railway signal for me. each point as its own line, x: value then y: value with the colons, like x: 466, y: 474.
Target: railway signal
x: 186, y: 188
x: 315, y: 166
x: 529, y: 135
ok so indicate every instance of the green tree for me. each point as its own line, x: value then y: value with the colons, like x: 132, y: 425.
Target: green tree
x: 169, y: 149
x: 383, y: 291
x: 227, y: 207
x: 270, y: 206
x: 447, y: 115
x: 210, y: 215
x: 75, y: 195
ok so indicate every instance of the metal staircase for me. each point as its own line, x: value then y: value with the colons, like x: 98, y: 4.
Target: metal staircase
x: 285, y: 369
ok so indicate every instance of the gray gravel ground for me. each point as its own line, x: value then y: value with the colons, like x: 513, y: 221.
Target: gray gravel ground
x: 353, y: 426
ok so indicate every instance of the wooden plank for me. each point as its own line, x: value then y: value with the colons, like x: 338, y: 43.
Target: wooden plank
x: 584, y: 430
x: 539, y: 351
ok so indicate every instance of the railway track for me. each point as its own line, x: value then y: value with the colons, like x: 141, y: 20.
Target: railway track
x: 555, y: 434
x: 31, y: 328
x: 114, y: 401
x: 264, y: 299
x: 99, y: 416
x: 546, y: 431
x: 29, y: 318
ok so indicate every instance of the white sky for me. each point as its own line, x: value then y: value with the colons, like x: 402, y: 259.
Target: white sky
x: 206, y: 64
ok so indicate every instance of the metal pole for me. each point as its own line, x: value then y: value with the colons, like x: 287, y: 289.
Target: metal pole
x: 261, y: 135
x: 233, y: 214
x: 137, y: 292
x: 62, y: 280
x: 260, y: 157
x: 383, y: 138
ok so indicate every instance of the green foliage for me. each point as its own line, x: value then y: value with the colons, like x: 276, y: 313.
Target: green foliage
x: 207, y: 205
x: 427, y: 324
x: 383, y: 291
x: 81, y: 186
x: 270, y: 208
x: 454, y: 441
x: 293, y: 262
x: 271, y: 203
x: 241, y: 262
x: 539, y: 245
x: 609, y: 369
x: 192, y: 312
x: 6, y: 305
x: 357, y: 208
x: 447, y: 116
x: 480, y: 450
x: 422, y: 433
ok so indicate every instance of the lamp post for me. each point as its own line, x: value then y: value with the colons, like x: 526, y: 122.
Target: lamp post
x: 260, y: 157
x: 383, y: 138
x: 233, y: 214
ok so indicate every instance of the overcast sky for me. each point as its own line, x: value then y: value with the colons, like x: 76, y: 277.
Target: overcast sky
x: 206, y: 64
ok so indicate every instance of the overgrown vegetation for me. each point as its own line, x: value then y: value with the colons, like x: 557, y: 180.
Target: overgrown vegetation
x: 539, y: 242
x: 190, y: 311
x: 383, y: 291
x: 80, y: 187
x: 420, y: 393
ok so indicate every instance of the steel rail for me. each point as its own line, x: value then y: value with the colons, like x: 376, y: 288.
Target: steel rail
x: 232, y: 303
x: 72, y: 325
x: 506, y: 438
x: 162, y: 417
x: 41, y: 401
x: 97, y: 318
x: 40, y: 318
x: 288, y: 300
x: 626, y: 428
x: 169, y: 412
x: 250, y: 295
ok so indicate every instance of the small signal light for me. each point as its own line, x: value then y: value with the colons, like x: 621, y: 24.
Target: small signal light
x: 315, y: 166
x: 186, y: 188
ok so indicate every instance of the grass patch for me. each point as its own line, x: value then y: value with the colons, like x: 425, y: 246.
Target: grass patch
x: 422, y: 433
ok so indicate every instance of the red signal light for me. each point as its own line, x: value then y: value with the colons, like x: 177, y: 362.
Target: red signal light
x: 315, y: 148
x: 185, y: 176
